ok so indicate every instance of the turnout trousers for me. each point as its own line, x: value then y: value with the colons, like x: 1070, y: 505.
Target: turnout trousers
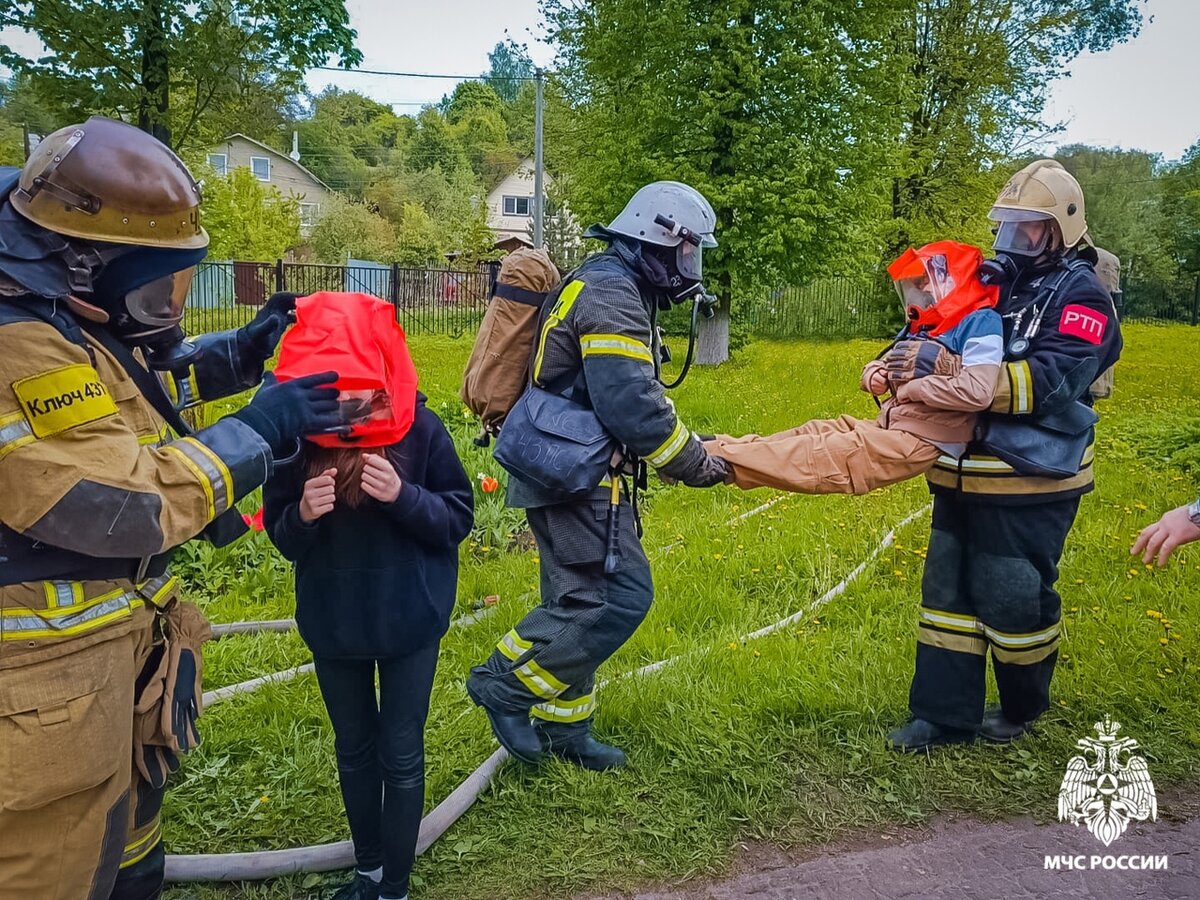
x: 989, y: 585
x: 547, y: 663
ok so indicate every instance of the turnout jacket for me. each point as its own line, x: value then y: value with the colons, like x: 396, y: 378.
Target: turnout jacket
x: 95, y: 492
x: 1078, y: 338
x: 595, y: 345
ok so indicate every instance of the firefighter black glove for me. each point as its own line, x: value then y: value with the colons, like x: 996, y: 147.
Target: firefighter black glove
x: 909, y: 360
x: 283, y: 411
x: 185, y: 708
x: 714, y: 471
x: 256, y: 342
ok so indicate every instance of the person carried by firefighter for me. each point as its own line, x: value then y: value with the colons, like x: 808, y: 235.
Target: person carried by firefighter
x: 591, y: 415
x: 940, y: 373
x: 99, y: 658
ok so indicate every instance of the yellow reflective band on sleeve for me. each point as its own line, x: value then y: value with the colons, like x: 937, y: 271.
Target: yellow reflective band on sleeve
x: 138, y: 850
x: 14, y: 432
x: 512, y: 645
x: 156, y: 590
x: 566, y: 300
x: 671, y: 447
x: 1021, y: 380
x: 565, y: 710
x: 614, y: 345
x: 539, y: 681
x: 209, y: 470
x: 62, y: 399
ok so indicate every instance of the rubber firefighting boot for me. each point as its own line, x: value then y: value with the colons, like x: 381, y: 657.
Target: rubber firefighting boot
x: 583, y: 750
x: 920, y: 735
x: 997, y: 728
x: 514, y: 731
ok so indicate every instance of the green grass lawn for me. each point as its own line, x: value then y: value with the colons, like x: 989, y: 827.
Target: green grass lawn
x: 780, y: 739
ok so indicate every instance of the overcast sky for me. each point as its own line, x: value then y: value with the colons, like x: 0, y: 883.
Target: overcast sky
x: 1139, y: 95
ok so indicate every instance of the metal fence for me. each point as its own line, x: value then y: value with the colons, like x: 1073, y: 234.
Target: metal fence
x: 452, y: 301
x: 444, y: 301
x: 1156, y: 301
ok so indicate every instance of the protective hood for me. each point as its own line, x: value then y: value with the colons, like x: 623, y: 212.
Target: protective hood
x: 939, y: 285
x: 29, y: 254
x: 357, y: 336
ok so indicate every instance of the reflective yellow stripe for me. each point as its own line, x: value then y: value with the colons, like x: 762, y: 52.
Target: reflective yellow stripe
x: 1023, y: 657
x: 566, y: 300
x: 953, y: 621
x: 565, y: 710
x: 1022, y: 385
x: 157, y: 589
x: 513, y: 645
x: 671, y: 447
x: 1017, y: 641
x: 209, y: 476
x: 223, y: 473
x: 64, y: 594
x: 958, y: 643
x: 614, y: 345
x: 22, y: 624
x: 140, y: 849
x: 14, y: 432
x: 539, y: 681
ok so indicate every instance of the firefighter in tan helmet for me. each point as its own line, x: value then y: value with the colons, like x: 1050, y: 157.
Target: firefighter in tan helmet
x: 1002, y: 512
x: 99, y: 658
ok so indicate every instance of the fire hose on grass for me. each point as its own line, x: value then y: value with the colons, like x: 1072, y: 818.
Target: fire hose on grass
x: 262, y: 864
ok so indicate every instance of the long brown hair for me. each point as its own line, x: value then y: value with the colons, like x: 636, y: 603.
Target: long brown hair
x: 349, y: 463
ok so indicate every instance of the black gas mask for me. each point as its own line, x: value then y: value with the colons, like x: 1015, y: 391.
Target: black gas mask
x: 144, y: 292
x: 1024, y: 240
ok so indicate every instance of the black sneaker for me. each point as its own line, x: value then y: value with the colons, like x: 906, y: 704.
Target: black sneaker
x: 920, y: 735
x: 997, y: 728
x: 361, y: 888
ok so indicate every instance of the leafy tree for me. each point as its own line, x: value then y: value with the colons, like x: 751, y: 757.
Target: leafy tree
x: 753, y: 102
x: 468, y: 97
x: 972, y: 78
x: 129, y: 58
x: 510, y: 66
x: 245, y: 218
x: 348, y: 229
x: 419, y: 242
x: 434, y: 144
x: 347, y: 137
x: 1123, y: 203
x: 1181, y: 208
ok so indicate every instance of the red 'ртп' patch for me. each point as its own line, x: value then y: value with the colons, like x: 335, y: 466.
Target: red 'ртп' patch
x: 1083, y: 322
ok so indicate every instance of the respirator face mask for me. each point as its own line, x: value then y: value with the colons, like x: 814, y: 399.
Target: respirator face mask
x: 1022, y: 236
x: 144, y: 293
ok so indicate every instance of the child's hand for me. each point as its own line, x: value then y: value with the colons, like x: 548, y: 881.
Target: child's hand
x: 877, y: 382
x: 318, y: 497
x: 379, y: 479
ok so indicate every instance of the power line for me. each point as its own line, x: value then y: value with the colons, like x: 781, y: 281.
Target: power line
x: 428, y: 74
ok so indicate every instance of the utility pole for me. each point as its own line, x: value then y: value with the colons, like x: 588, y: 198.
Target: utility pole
x: 539, y: 199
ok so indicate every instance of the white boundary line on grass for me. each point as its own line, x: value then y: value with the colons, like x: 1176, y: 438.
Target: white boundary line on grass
x: 258, y: 865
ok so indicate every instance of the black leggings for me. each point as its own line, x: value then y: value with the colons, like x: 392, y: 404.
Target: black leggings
x: 381, y: 754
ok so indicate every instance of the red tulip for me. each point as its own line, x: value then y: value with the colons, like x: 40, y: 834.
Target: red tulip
x: 254, y: 522
x: 488, y: 484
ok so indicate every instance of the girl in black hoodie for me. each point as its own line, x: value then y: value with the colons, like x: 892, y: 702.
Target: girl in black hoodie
x: 374, y: 536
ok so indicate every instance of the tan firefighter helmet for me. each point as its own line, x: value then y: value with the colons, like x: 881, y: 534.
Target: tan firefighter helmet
x: 1043, y: 190
x: 108, y: 181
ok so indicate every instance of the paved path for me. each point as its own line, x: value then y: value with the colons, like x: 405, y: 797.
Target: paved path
x: 963, y: 861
